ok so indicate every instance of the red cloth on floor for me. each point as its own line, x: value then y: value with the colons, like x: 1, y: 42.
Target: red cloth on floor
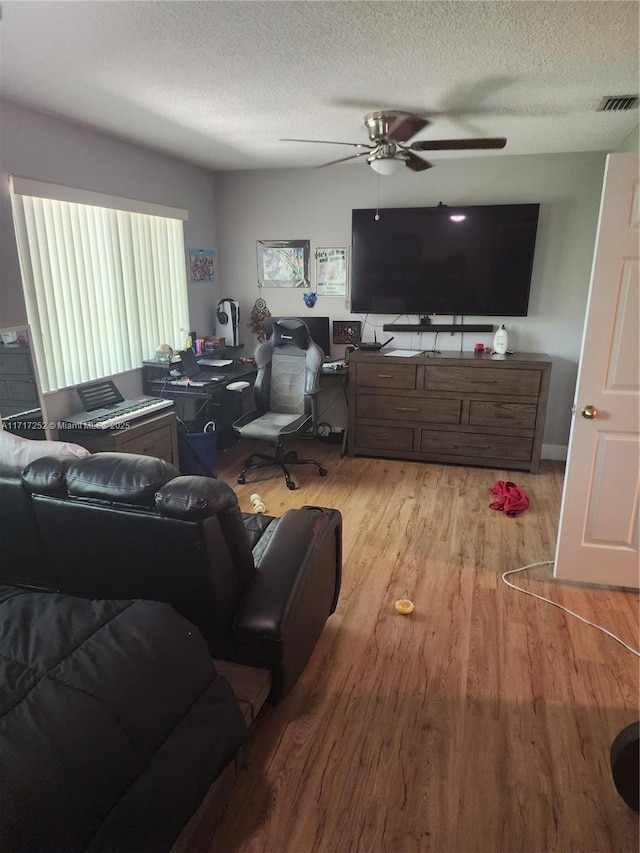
x: 511, y: 498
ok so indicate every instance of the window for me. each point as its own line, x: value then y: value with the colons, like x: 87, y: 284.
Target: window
x: 104, y: 279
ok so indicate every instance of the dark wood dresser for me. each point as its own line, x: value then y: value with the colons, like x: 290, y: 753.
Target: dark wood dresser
x: 18, y: 387
x: 461, y: 408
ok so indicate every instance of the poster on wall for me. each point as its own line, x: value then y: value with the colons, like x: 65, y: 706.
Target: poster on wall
x: 283, y: 263
x: 331, y: 272
x: 202, y: 265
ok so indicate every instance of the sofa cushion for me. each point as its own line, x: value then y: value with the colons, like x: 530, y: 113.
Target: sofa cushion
x: 259, y: 528
x: 46, y: 475
x: 192, y: 498
x: 90, y: 693
x: 119, y: 477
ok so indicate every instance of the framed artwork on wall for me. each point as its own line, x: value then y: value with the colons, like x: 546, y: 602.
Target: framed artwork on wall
x: 331, y: 272
x: 202, y: 265
x: 283, y: 263
x: 346, y: 331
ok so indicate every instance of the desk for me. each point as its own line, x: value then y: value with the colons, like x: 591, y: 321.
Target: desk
x: 195, y: 405
x: 343, y: 374
x: 198, y: 404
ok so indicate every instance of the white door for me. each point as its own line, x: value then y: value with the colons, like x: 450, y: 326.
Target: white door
x: 598, y: 535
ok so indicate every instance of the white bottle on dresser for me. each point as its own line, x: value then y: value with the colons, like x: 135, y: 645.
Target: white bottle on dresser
x: 500, y: 341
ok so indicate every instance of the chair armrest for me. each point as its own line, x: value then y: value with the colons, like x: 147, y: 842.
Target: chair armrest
x: 294, y: 590
x: 312, y: 396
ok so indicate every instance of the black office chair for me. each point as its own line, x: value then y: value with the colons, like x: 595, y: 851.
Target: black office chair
x: 285, y: 394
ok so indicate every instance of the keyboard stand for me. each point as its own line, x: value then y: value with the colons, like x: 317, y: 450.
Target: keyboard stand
x: 155, y: 435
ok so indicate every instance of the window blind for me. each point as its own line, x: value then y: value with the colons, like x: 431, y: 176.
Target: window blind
x: 103, y: 286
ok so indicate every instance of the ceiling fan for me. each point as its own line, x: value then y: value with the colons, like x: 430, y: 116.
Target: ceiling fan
x: 390, y: 132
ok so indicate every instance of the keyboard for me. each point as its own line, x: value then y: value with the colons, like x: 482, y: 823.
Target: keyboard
x: 197, y: 383
x: 215, y: 362
x: 119, y: 413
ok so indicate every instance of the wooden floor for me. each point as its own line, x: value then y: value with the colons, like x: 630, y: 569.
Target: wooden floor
x: 482, y: 722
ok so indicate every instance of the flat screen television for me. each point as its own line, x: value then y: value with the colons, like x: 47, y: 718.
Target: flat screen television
x: 471, y: 260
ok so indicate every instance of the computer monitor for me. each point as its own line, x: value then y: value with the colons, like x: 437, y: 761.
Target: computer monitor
x: 318, y: 329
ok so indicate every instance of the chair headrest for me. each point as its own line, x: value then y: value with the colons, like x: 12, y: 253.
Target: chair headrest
x: 292, y: 332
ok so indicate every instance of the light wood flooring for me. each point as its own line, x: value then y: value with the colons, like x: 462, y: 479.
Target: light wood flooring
x: 482, y: 722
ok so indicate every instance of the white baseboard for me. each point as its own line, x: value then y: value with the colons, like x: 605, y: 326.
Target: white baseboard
x: 554, y: 451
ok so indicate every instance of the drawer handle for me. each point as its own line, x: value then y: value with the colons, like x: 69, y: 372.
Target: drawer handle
x: 382, y: 436
x: 405, y: 409
x: 385, y: 376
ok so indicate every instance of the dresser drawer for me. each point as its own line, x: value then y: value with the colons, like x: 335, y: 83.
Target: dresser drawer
x: 387, y: 375
x: 516, y: 415
x: 15, y: 362
x: 420, y: 409
x: 19, y: 391
x: 384, y: 438
x: 477, y: 445
x: 483, y: 380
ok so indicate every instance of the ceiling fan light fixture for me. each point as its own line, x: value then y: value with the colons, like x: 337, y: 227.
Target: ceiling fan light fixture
x: 390, y: 149
x: 385, y: 165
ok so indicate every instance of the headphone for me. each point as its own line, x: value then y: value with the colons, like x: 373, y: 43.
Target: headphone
x: 222, y: 315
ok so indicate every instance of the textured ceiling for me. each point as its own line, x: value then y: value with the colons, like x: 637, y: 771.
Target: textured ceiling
x: 219, y: 83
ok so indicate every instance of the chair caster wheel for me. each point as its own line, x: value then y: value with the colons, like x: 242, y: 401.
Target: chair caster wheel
x: 241, y: 480
x: 291, y: 456
x: 322, y: 472
x: 291, y: 485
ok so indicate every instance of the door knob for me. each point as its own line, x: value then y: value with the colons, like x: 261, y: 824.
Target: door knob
x: 589, y: 412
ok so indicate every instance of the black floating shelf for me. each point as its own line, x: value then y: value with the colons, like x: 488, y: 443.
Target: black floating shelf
x: 436, y: 327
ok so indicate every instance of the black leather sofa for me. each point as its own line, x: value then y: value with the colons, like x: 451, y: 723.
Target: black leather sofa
x: 120, y: 581
x: 123, y: 526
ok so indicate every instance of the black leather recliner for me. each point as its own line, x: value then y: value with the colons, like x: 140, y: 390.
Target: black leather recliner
x: 123, y: 526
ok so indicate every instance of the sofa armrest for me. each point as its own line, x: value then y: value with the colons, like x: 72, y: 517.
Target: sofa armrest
x: 294, y: 590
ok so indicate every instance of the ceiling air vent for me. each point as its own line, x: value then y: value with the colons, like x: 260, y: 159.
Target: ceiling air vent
x: 615, y: 103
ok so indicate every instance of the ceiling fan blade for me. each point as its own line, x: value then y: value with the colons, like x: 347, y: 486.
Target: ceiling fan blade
x: 344, y: 159
x: 457, y: 144
x: 415, y: 163
x: 330, y: 142
x: 405, y: 127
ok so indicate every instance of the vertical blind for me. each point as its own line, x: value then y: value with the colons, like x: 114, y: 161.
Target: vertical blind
x: 103, y: 286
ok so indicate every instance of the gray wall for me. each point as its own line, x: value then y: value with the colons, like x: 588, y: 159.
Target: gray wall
x: 316, y: 204
x: 33, y: 145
